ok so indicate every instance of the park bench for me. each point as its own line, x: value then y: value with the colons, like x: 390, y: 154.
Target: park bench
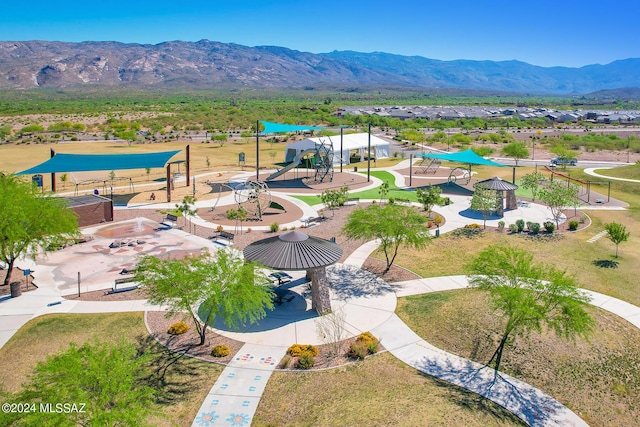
x: 312, y: 220
x: 281, y: 277
x: 403, y: 201
x: 171, y: 219
x: 353, y: 199
x: 223, y: 235
x: 122, y: 281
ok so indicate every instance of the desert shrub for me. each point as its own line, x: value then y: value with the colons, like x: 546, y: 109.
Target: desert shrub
x: 297, y: 349
x: 473, y: 226
x: 513, y: 228
x: 220, y: 351
x: 219, y: 228
x: 367, y: 337
x: 534, y: 227
x: 285, y: 362
x: 520, y: 225
x: 249, y: 230
x: 358, y: 350
x: 178, y: 328
x: 305, y: 361
x: 274, y: 226
x: 501, y: 225
x: 549, y: 226
x: 573, y: 225
x: 529, y: 225
x: 438, y: 220
x: 429, y: 224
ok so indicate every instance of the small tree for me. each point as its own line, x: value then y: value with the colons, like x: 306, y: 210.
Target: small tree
x: 383, y: 190
x: 394, y: 225
x: 222, y: 286
x: 30, y: 221
x: 617, y: 233
x: 532, y: 182
x: 187, y: 208
x: 335, y: 198
x: 517, y: 150
x: 484, y: 200
x: 528, y: 296
x: 429, y: 197
x: 557, y: 196
x: 63, y: 179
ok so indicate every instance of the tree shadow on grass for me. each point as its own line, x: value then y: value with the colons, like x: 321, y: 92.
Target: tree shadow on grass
x: 605, y: 263
x: 524, y: 401
x: 170, y: 374
x: 473, y: 402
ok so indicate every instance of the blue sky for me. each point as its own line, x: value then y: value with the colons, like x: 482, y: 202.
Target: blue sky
x: 547, y: 33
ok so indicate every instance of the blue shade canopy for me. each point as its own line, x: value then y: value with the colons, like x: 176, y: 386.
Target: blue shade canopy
x: 101, y: 162
x: 467, y: 156
x: 270, y: 127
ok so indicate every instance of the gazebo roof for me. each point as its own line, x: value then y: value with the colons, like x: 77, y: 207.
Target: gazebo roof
x: 497, y: 183
x: 293, y: 251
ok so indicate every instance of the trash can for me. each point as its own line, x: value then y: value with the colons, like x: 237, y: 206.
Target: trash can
x: 437, y: 232
x: 355, y: 169
x: 16, y: 290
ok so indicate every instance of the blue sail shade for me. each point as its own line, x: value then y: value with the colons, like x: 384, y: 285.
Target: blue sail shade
x: 270, y: 127
x: 100, y: 162
x: 467, y: 156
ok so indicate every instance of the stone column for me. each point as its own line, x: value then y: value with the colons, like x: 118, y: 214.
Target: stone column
x: 320, y: 297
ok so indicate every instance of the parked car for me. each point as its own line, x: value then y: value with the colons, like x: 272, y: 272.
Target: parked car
x: 563, y: 161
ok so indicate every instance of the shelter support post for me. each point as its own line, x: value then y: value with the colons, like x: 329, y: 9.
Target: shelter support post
x: 320, y: 298
x: 257, y: 150
x: 188, y: 180
x: 168, y: 182
x: 410, y: 170
x: 53, y: 174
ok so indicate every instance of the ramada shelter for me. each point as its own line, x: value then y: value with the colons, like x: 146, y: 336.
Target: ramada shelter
x: 353, y: 145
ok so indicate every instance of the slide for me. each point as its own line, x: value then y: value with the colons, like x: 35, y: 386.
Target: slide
x: 293, y: 164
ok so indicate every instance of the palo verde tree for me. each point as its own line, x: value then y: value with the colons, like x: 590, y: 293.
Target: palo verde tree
x: 516, y: 150
x: 484, y: 200
x: 617, y: 233
x: 528, y: 296
x: 207, y: 287
x: 29, y: 221
x: 532, y: 182
x: 429, y: 197
x: 395, y: 226
x: 187, y: 208
x: 107, y: 383
x: 335, y: 198
x: 558, y: 196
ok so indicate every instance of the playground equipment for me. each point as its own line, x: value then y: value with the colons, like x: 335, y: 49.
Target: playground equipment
x: 254, y: 197
x: 219, y: 188
x: 322, y: 161
x: 455, y: 175
x: 428, y: 165
x: 293, y: 164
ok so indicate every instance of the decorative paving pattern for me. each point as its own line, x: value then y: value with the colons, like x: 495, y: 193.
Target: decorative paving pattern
x: 234, y: 397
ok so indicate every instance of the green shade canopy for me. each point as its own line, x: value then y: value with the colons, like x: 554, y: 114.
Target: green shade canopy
x: 100, y: 162
x: 467, y: 156
x: 270, y: 127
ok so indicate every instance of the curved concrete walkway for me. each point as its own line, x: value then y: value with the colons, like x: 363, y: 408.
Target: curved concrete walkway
x: 592, y: 172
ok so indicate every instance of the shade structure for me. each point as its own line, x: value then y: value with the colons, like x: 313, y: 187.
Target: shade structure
x: 293, y: 251
x: 497, y: 183
x: 101, y: 162
x: 501, y: 186
x: 297, y: 251
x: 467, y: 156
x: 270, y: 127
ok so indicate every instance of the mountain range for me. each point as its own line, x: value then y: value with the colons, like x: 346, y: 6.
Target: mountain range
x: 212, y: 65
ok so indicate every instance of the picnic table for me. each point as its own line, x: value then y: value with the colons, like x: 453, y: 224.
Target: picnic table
x: 281, y: 277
